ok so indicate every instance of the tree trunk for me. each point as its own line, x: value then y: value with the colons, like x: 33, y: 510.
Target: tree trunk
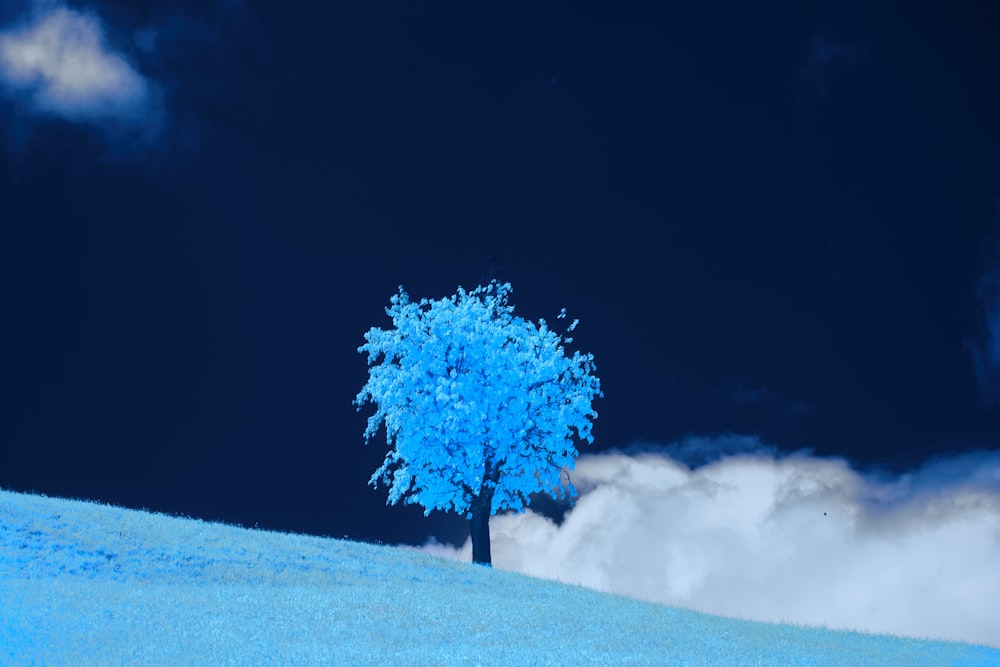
x: 479, y: 526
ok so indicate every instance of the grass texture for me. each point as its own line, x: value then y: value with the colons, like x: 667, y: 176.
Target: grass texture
x: 88, y: 584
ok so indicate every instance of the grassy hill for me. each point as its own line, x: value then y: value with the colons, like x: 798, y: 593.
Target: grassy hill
x: 88, y: 584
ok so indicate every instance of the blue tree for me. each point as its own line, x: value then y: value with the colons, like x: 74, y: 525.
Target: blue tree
x: 480, y: 407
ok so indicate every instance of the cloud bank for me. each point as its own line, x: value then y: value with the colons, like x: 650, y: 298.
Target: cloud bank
x: 795, y: 539
x: 59, y: 63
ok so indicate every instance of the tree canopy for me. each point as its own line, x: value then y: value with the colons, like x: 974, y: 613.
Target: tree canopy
x: 480, y: 407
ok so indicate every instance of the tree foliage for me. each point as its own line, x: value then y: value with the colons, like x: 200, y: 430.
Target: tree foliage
x: 480, y: 407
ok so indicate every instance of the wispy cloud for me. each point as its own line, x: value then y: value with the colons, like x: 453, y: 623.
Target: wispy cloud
x: 828, y: 57
x: 984, y: 348
x: 143, y: 78
x: 58, y: 62
x: 697, y: 451
x: 743, y: 395
x: 798, y: 538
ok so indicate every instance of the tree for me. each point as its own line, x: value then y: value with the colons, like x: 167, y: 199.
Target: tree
x: 480, y: 407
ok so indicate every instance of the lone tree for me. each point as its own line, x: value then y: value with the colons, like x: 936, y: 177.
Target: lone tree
x: 480, y: 407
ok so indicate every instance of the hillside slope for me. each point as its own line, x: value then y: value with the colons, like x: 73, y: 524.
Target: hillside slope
x: 83, y: 583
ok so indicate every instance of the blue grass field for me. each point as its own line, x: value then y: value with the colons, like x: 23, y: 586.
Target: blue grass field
x: 88, y: 584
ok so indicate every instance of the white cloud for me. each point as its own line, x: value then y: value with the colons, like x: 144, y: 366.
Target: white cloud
x: 796, y: 539
x: 59, y: 63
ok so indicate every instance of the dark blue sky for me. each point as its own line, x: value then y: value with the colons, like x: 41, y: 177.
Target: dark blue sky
x: 769, y: 223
